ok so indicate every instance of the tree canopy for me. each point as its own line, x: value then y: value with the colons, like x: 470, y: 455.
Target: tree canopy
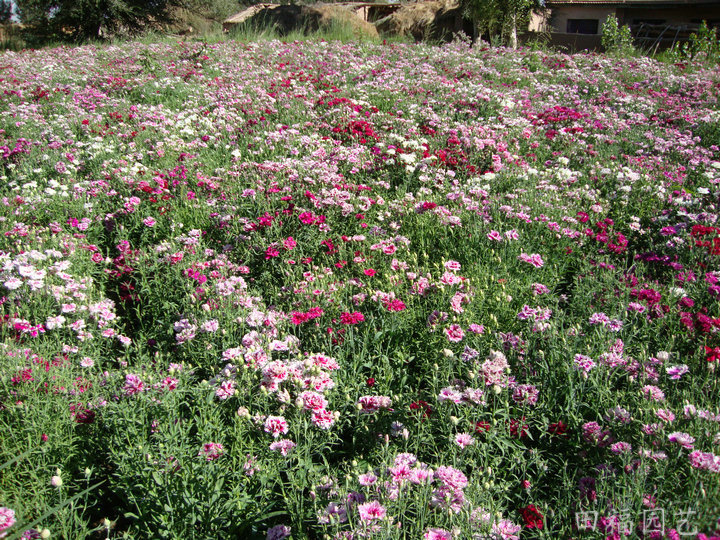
x: 80, y: 20
x: 500, y: 17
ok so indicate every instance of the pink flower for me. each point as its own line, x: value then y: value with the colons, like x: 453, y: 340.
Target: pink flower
x: 620, y: 447
x: 534, y: 259
x: 271, y: 251
x: 454, y: 333
x: 226, y: 389
x: 653, y: 392
x: 7, y: 519
x: 312, y: 401
x: 367, y: 479
x: 133, y: 385
x: 278, y: 532
x: 496, y: 236
x: 395, y: 305
x: 289, y: 243
x: 323, y: 419
x: 683, y: 439
x: 525, y: 393
x: 506, y: 530
x: 464, y: 440
x: 276, y: 426
x: 211, y: 451
x: 666, y: 415
x: 372, y: 511
x: 452, y: 266
x: 451, y: 477
x: 371, y: 404
x: 437, y: 534
x: 149, y: 222
x: 583, y: 363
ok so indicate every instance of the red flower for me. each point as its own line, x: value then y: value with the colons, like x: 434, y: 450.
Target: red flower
x: 371, y: 382
x: 370, y: 272
x: 558, y: 428
x: 481, y: 427
x: 518, y: 428
x: 712, y: 354
x: 532, y: 517
x: 421, y: 405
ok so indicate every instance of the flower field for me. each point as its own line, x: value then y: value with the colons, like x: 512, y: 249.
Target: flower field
x: 325, y: 290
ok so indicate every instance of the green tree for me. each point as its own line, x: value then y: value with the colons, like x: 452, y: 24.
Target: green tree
x: 6, y: 11
x: 84, y: 19
x: 500, y: 17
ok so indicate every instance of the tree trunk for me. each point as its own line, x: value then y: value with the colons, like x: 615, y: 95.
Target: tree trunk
x: 513, y: 32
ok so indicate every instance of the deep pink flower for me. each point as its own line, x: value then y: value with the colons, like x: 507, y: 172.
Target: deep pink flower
x: 454, y: 333
x: 371, y: 511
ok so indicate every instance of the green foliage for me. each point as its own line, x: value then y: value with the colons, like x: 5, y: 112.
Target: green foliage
x: 500, y: 18
x: 6, y: 11
x: 217, y: 10
x: 703, y: 46
x: 617, y: 40
x: 78, y: 20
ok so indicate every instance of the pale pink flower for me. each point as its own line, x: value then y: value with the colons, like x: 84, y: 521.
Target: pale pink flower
x: 371, y: 404
x: 283, y: 446
x: 653, y: 392
x: 534, y: 259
